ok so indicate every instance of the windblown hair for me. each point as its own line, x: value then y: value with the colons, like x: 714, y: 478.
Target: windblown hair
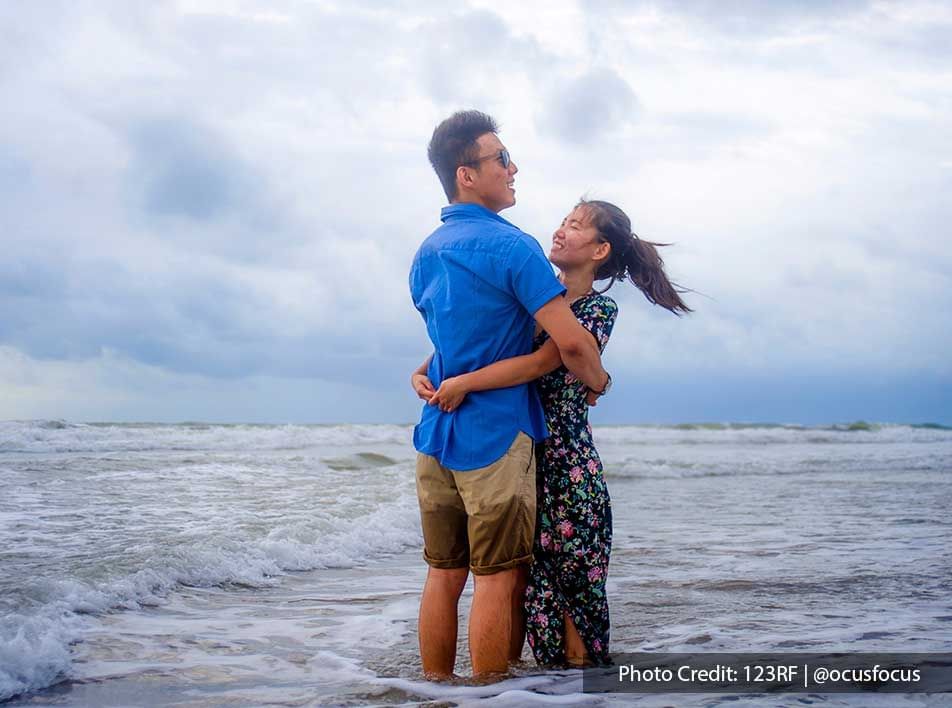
x: 454, y: 144
x: 633, y: 258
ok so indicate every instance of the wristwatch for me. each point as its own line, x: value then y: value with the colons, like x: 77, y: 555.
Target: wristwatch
x: 608, y: 386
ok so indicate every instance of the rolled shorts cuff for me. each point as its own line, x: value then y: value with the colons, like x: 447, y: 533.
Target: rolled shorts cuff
x: 499, y: 567
x: 447, y: 564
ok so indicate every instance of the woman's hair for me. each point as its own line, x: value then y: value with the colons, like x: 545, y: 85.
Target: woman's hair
x: 632, y: 258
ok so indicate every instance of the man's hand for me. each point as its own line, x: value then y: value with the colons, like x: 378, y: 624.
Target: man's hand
x: 451, y: 394
x: 591, y: 398
x: 423, y: 386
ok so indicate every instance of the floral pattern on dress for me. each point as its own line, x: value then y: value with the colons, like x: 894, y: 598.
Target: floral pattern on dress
x: 574, y: 521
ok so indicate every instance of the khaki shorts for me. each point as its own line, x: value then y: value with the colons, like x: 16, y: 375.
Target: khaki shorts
x: 482, y: 518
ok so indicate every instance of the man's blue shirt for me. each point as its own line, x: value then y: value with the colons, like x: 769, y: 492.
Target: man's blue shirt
x: 478, y: 281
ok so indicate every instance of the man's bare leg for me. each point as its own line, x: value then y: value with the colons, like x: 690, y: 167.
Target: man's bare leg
x: 439, y: 618
x: 518, y: 637
x: 575, y: 653
x: 490, y: 622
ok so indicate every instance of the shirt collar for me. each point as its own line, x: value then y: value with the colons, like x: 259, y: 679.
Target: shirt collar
x: 468, y: 209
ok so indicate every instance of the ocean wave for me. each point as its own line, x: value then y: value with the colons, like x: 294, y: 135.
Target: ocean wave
x: 635, y: 470
x: 60, y: 436
x: 34, y: 649
x: 34, y: 644
x: 359, y: 461
x: 643, y: 471
x: 692, y: 434
x: 45, y: 436
x: 931, y: 426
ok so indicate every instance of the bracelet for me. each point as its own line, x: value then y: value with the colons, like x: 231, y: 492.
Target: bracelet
x: 608, y: 385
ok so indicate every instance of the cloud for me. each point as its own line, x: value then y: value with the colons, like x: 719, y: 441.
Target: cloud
x: 589, y: 107
x: 739, y: 17
x: 203, y: 196
x: 470, y: 57
x: 180, y: 169
x: 113, y: 387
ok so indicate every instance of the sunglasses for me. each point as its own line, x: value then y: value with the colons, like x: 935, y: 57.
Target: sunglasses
x: 502, y: 156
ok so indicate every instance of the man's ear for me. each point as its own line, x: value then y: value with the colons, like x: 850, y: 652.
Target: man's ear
x: 464, y: 177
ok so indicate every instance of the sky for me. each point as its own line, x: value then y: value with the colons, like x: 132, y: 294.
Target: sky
x: 208, y: 209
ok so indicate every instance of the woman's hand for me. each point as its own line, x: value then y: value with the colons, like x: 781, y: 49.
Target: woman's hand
x: 423, y: 386
x: 451, y: 394
x: 591, y: 398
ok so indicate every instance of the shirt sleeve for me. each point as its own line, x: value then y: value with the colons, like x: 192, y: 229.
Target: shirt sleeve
x: 530, y: 275
x: 415, y: 279
x: 597, y: 315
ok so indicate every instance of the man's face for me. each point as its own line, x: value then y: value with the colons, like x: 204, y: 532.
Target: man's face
x: 492, y: 184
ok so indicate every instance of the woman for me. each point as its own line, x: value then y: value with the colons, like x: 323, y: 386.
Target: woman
x: 566, y: 604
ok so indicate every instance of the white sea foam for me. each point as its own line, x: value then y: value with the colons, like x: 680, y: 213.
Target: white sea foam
x: 60, y: 436
x: 735, y: 433
x: 553, y: 687
x: 34, y: 645
x: 34, y: 649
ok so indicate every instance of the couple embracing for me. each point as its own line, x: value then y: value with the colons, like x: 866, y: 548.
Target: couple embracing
x: 509, y: 483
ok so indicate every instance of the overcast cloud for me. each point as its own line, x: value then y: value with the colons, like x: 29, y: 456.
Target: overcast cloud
x: 208, y: 209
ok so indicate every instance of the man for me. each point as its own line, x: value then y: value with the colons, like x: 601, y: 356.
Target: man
x: 481, y: 284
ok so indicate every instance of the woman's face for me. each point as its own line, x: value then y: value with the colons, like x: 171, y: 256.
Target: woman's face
x: 575, y: 243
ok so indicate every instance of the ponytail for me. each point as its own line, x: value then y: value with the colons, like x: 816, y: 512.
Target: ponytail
x: 632, y: 258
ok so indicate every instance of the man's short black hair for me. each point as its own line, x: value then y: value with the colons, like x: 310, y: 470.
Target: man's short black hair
x: 454, y: 143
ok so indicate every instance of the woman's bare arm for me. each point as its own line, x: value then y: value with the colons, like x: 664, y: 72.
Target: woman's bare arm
x: 500, y: 374
x: 421, y: 382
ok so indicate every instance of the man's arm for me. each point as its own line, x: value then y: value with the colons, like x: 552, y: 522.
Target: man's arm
x: 576, y: 344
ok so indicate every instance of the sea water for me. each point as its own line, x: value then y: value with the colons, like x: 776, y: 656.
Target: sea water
x: 250, y: 564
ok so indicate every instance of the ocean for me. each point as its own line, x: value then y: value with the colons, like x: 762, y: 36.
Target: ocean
x: 246, y: 565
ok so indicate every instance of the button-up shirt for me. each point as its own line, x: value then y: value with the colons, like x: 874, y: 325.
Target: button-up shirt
x: 478, y: 281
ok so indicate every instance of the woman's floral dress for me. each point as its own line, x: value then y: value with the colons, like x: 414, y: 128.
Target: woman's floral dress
x: 574, y: 523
